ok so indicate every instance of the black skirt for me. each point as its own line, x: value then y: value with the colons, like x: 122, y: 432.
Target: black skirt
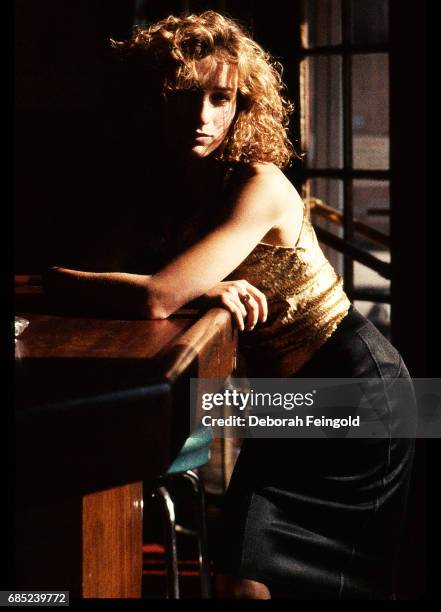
x: 318, y: 518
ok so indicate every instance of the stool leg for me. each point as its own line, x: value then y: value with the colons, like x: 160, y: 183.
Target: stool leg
x: 204, y: 561
x: 171, y: 555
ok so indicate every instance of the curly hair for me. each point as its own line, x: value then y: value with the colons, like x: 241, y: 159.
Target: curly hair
x: 167, y: 52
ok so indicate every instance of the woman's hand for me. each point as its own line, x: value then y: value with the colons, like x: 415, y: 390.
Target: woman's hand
x: 242, y: 299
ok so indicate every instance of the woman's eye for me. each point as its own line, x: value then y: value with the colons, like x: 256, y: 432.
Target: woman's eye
x: 220, y: 98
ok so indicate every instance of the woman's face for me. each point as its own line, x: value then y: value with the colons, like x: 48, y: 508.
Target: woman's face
x: 197, y: 120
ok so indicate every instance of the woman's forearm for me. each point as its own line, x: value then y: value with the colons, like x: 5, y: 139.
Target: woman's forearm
x: 116, y: 291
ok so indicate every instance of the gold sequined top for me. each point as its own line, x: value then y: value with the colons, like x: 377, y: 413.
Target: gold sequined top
x: 306, y: 302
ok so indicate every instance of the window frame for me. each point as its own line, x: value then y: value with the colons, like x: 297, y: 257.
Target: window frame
x: 347, y: 174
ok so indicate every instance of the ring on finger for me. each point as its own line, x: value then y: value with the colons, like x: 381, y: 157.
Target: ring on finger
x: 246, y: 298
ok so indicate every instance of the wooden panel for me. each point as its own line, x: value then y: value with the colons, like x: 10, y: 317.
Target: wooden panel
x: 90, y: 545
x: 112, y: 543
x: 210, y: 342
x: 100, y: 403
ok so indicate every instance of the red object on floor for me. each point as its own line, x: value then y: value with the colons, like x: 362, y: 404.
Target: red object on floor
x: 154, y: 572
x: 149, y: 549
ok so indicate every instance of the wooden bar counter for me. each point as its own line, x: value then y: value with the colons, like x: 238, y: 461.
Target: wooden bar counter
x: 101, y: 405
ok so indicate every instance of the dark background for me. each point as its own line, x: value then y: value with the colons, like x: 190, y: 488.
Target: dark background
x: 71, y: 115
x: 68, y: 142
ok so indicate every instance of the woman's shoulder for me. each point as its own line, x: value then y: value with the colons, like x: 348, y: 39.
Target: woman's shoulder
x: 267, y: 176
x: 267, y: 180
x: 252, y: 169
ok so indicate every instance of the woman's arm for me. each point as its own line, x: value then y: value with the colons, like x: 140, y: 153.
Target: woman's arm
x: 259, y: 203
x: 114, y: 291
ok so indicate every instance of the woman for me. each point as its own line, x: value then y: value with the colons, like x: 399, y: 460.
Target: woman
x: 303, y: 518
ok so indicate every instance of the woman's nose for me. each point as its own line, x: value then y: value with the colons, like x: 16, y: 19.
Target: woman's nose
x: 205, y: 111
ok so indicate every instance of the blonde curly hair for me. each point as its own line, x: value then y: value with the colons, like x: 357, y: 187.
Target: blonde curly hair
x: 167, y: 52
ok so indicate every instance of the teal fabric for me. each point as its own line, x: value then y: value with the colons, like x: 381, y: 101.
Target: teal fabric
x: 194, y: 453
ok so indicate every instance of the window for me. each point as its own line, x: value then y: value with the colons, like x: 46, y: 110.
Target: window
x: 344, y: 124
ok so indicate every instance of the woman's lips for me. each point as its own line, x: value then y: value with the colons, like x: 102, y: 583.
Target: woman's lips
x: 198, y: 136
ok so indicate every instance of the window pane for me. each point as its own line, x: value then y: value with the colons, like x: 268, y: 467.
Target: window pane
x: 370, y: 21
x: 321, y: 23
x: 322, y: 134
x: 370, y: 111
x: 371, y: 203
x: 365, y: 278
x: 371, y: 207
x: 331, y: 192
x: 378, y: 313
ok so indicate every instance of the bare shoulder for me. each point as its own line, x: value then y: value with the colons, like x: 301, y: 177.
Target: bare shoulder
x: 267, y: 171
x: 272, y: 178
x: 269, y: 186
x: 267, y: 183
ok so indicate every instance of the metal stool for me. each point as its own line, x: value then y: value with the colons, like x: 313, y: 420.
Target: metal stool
x: 195, y: 453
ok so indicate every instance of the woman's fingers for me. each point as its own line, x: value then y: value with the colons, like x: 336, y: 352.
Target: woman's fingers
x: 256, y: 298
x: 235, y: 297
x: 235, y: 309
x: 246, y: 303
x: 252, y: 310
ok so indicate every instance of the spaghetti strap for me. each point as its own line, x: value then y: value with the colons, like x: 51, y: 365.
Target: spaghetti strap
x: 305, y: 215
